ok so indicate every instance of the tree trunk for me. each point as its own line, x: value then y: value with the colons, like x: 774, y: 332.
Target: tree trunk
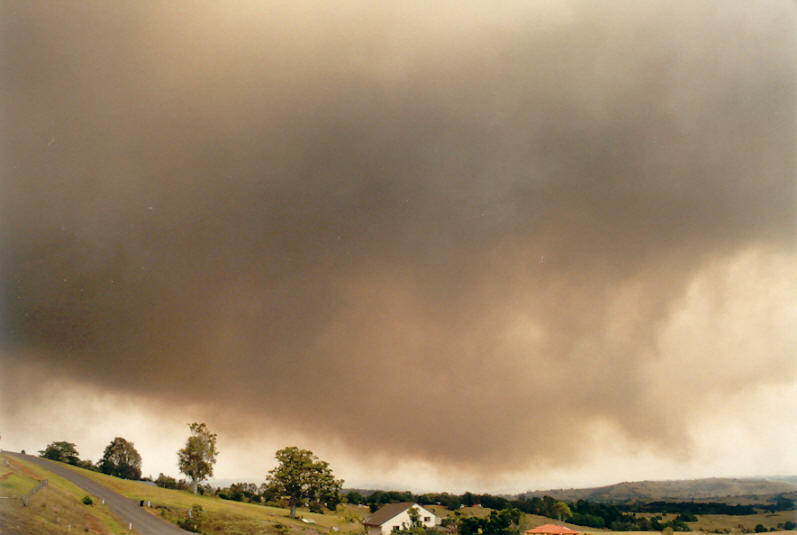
x: 293, y: 508
x: 194, y: 485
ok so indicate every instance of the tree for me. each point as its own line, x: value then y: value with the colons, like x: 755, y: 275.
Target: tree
x: 355, y: 498
x: 196, y: 460
x: 301, y: 477
x: 121, y: 460
x: 561, y: 510
x: 87, y: 464
x: 415, y: 517
x: 65, y: 452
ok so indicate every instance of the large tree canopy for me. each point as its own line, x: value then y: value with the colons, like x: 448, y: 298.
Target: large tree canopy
x: 65, y: 452
x: 197, y: 458
x: 301, y: 477
x: 121, y: 459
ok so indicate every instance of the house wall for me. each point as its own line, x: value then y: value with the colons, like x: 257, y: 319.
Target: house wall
x: 404, y: 518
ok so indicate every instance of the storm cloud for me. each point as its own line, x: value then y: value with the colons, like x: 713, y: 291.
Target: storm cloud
x: 429, y: 231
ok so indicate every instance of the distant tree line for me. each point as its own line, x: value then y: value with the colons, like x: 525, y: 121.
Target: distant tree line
x: 692, y: 508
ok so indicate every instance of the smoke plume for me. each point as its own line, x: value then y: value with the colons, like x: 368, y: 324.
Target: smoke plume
x: 431, y: 231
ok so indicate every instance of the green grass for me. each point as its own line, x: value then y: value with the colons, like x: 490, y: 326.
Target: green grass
x: 16, y: 485
x: 55, y: 509
x: 229, y: 517
x: 747, y: 522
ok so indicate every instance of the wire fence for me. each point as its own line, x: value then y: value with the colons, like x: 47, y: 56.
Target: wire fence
x: 26, y: 499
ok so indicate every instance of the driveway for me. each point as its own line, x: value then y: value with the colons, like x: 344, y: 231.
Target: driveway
x: 125, y: 508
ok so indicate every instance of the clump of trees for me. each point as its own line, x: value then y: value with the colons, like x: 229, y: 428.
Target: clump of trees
x: 242, y: 492
x: 168, y: 482
x: 120, y: 458
x: 504, y: 522
x: 65, y: 452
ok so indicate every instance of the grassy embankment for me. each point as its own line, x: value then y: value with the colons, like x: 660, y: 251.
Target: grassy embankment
x: 229, y: 517
x: 55, y: 509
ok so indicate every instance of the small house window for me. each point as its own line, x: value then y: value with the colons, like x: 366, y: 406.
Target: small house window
x: 427, y: 518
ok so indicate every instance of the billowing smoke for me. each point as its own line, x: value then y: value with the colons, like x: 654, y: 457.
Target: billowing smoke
x: 431, y: 231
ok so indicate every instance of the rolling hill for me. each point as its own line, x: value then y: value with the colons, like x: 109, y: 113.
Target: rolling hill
x: 709, y: 489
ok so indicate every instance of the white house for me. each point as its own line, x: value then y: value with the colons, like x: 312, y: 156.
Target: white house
x: 395, y: 516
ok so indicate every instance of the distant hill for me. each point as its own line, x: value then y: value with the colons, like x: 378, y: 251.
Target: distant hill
x: 716, y: 489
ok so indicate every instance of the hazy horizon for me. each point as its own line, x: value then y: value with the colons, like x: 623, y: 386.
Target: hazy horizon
x: 454, y: 246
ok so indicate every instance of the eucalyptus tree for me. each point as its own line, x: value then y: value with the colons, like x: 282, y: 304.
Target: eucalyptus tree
x: 197, y: 458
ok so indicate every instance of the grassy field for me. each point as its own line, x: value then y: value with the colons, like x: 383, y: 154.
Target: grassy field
x: 55, y: 509
x: 734, y: 523
x: 747, y: 522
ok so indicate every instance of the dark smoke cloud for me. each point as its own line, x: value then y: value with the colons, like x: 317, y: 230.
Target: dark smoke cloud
x: 427, y: 231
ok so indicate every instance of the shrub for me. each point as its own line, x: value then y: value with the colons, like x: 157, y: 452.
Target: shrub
x: 193, y: 522
x: 87, y: 500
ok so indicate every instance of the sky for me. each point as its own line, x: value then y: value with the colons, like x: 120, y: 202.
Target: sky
x: 486, y: 246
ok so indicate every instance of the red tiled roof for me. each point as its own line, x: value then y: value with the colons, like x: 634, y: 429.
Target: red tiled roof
x: 552, y: 529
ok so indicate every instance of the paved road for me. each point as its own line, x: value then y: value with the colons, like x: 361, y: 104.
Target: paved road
x: 127, y: 509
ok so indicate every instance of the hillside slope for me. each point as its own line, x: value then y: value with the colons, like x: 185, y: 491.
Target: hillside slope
x: 718, y: 489
x: 56, y: 509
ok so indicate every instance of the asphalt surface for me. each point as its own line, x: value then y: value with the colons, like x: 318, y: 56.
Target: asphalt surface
x: 126, y: 509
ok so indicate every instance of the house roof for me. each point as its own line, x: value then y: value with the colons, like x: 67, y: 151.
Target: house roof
x: 552, y: 529
x: 387, y: 512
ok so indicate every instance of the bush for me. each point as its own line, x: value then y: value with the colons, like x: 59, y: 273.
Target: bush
x: 760, y: 528
x: 87, y: 500
x: 193, y: 522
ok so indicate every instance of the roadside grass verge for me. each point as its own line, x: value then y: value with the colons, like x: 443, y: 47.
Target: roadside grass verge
x: 55, y: 509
